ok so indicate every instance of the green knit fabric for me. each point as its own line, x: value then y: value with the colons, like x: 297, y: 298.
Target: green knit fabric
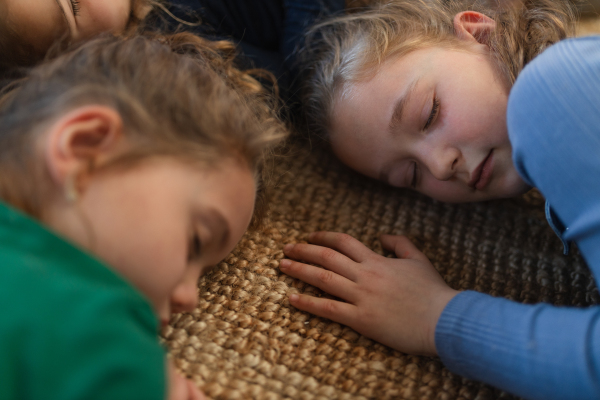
x: 71, y: 328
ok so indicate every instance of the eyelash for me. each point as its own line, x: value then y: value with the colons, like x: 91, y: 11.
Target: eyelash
x: 435, y: 110
x: 76, y: 7
x: 195, y: 247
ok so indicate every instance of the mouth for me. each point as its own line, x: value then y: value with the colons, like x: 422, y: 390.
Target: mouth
x: 482, y: 174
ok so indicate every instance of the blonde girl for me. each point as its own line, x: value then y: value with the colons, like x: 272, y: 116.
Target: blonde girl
x: 128, y: 167
x: 461, y: 103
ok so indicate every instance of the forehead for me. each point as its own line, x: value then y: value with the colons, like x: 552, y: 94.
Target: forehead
x: 362, y: 110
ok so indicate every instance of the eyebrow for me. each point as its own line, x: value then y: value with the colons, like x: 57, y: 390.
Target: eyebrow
x: 399, y: 107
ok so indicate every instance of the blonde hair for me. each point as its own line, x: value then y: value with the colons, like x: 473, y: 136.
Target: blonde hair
x: 178, y: 96
x: 350, y: 48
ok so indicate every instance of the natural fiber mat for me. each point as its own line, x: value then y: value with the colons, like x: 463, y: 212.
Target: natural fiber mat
x: 244, y: 340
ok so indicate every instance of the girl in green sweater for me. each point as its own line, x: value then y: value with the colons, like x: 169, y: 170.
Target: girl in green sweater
x: 128, y: 167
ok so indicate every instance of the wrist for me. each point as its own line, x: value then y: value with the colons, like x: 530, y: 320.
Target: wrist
x: 439, y: 304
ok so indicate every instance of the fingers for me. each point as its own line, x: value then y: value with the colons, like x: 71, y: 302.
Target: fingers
x: 326, y: 308
x: 324, y: 279
x: 402, y: 247
x: 323, y: 256
x: 343, y: 243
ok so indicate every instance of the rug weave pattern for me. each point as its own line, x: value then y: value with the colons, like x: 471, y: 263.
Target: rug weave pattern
x: 244, y: 340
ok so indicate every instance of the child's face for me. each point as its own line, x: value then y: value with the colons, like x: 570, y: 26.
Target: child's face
x: 39, y: 22
x: 164, y: 223
x: 435, y: 120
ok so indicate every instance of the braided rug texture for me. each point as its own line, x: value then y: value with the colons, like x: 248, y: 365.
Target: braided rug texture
x: 245, y: 341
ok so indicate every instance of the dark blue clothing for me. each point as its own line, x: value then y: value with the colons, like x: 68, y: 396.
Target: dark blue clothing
x: 267, y: 31
x: 541, y: 351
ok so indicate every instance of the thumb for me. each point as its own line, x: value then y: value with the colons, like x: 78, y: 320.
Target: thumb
x: 402, y: 247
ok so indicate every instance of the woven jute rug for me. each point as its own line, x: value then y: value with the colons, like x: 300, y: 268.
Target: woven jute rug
x: 244, y: 340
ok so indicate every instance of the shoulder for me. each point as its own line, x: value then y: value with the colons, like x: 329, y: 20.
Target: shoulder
x: 559, y: 89
x: 563, y: 71
x: 73, y: 330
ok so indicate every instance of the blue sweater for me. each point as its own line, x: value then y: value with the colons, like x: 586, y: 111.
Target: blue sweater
x: 541, y: 351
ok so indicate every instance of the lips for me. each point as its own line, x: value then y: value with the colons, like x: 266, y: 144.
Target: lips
x: 482, y: 174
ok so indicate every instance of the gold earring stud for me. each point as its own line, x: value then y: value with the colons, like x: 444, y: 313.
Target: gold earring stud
x: 71, y: 193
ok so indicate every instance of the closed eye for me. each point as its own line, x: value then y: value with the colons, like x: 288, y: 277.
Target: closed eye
x: 76, y: 7
x: 415, y: 175
x: 194, y: 248
x: 435, y: 110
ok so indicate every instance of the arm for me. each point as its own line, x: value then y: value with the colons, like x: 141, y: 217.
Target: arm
x: 535, y: 351
x: 403, y: 303
x: 554, y: 127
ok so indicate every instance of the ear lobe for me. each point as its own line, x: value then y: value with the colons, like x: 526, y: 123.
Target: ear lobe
x: 83, y: 137
x: 473, y: 26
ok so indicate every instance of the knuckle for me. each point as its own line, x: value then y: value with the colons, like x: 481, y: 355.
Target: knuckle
x: 363, y: 318
x: 325, y: 277
x: 329, y: 308
x: 344, y: 238
x: 328, y: 254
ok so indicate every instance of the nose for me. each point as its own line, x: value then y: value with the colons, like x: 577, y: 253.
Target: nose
x: 442, y: 162
x: 184, y: 297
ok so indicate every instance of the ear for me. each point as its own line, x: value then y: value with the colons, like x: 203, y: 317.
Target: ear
x: 473, y: 26
x: 81, y: 139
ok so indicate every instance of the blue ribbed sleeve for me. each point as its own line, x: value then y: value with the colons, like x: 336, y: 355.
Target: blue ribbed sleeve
x: 541, y: 351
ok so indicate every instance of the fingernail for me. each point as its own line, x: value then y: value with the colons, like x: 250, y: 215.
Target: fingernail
x: 284, y: 263
x: 294, y: 297
x: 288, y: 247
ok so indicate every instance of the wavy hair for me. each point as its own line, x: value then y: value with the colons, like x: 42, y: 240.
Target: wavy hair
x: 179, y: 96
x: 350, y: 48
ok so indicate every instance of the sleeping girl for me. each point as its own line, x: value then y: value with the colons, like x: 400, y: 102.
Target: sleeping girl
x: 116, y: 196
x: 461, y: 104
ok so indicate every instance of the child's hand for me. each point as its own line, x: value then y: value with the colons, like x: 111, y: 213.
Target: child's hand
x: 181, y: 388
x: 394, y: 301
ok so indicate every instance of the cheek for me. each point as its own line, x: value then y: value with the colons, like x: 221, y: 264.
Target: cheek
x: 447, y: 191
x: 363, y: 156
x: 477, y: 117
x: 509, y: 182
x: 147, y: 252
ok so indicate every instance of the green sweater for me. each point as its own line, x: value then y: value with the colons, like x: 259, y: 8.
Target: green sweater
x: 70, y: 328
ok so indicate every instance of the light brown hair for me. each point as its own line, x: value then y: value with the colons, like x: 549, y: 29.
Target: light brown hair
x: 350, y: 48
x: 178, y: 95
